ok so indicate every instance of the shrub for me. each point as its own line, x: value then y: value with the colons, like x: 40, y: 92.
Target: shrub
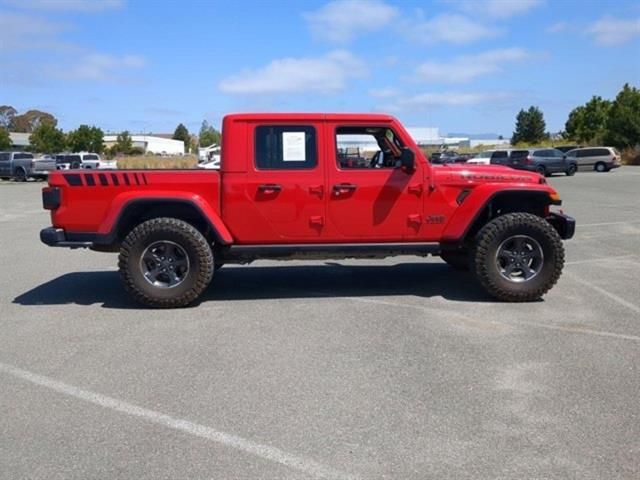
x: 631, y: 156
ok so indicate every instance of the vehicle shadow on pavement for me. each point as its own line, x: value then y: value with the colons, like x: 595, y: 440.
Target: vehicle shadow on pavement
x: 265, y: 282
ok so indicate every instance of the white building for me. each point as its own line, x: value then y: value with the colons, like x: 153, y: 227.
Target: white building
x: 19, y: 141
x: 151, y: 144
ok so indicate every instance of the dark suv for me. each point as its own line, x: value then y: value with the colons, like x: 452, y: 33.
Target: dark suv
x: 545, y: 161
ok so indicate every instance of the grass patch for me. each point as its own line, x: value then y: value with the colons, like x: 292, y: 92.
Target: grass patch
x: 142, y: 162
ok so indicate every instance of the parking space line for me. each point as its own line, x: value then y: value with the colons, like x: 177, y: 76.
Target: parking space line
x: 606, y: 224
x: 604, y: 292
x: 305, y: 465
x: 599, y: 259
x: 577, y: 329
x: 573, y: 329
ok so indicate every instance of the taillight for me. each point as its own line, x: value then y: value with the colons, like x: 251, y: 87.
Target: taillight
x: 50, y: 198
x: 529, y: 160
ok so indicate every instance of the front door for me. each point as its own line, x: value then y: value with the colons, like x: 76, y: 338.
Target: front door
x: 5, y: 164
x: 370, y: 198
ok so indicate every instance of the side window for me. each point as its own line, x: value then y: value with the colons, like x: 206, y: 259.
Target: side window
x: 367, y: 147
x: 499, y: 154
x: 601, y: 152
x: 571, y: 154
x: 5, y: 156
x: 285, y: 147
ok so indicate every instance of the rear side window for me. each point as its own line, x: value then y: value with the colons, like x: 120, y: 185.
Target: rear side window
x: 593, y: 152
x: 23, y: 156
x: 280, y: 147
x: 5, y: 156
x: 91, y: 157
x: 519, y: 153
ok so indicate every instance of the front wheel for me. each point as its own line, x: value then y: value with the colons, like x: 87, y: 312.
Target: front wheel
x: 518, y: 257
x: 571, y: 170
x: 166, y: 263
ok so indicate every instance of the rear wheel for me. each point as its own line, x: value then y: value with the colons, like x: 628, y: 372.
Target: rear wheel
x: 20, y: 175
x: 166, y: 263
x: 571, y: 170
x: 541, y: 170
x: 518, y: 257
x: 601, y: 167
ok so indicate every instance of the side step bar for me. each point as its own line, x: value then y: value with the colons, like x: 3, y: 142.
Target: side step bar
x: 325, y: 251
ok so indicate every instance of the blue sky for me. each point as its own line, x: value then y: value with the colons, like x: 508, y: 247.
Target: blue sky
x: 464, y: 66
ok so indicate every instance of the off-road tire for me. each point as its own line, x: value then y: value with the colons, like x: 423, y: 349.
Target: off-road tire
x: 459, y: 260
x: 200, y: 255
x: 491, y: 236
x: 571, y: 170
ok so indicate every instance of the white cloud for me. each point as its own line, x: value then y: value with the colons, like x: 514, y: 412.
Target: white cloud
x: 386, y: 92
x: 449, y: 28
x: 341, y: 20
x: 23, y: 32
x: 100, y: 67
x: 325, y: 74
x: 558, y: 27
x: 450, y: 99
x: 467, y: 67
x: 66, y: 5
x: 614, y: 31
x: 498, y: 9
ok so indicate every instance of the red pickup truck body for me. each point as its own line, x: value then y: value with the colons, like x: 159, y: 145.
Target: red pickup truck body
x: 258, y: 211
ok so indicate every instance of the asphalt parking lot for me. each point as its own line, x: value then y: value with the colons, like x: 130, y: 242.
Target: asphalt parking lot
x: 399, y: 369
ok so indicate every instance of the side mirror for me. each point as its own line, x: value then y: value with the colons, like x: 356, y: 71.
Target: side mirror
x: 407, y: 160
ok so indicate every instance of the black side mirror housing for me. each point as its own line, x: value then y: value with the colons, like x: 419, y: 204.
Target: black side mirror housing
x: 407, y: 160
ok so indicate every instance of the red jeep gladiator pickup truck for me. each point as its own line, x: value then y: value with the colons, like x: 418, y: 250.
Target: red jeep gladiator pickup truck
x: 313, y: 186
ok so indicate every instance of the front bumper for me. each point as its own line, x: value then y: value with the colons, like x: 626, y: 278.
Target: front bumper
x: 564, y: 224
x: 56, y: 237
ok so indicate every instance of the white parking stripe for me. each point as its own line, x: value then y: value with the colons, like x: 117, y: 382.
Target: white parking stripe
x: 513, y: 322
x: 582, y: 225
x: 612, y: 296
x: 305, y: 465
x: 600, y: 259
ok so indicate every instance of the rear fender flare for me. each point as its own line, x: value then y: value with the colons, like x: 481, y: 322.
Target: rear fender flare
x: 121, y: 203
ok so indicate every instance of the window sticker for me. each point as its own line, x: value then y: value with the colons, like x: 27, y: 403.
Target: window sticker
x: 293, y: 147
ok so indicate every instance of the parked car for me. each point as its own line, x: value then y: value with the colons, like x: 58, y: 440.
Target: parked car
x: 67, y: 161
x: 490, y: 157
x: 566, y: 148
x: 447, y: 156
x: 283, y: 192
x: 600, y: 159
x: 22, y: 165
x: 545, y: 161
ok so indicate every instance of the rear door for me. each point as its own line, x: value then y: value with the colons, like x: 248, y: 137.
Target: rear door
x: 370, y: 198
x: 284, y: 191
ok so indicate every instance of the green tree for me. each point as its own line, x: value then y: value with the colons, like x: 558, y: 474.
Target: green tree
x: 7, y: 112
x: 5, y: 139
x: 623, y: 120
x: 46, y: 138
x: 182, y: 133
x: 29, y: 121
x: 587, y: 123
x: 86, y: 139
x: 208, y: 135
x: 124, y: 144
x: 530, y: 126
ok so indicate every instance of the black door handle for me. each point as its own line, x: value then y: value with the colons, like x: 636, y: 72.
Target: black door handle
x: 269, y: 187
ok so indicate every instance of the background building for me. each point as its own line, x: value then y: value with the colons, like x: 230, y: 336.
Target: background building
x: 151, y: 144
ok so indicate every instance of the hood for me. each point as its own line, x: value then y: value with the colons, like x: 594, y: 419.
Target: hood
x: 464, y: 174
